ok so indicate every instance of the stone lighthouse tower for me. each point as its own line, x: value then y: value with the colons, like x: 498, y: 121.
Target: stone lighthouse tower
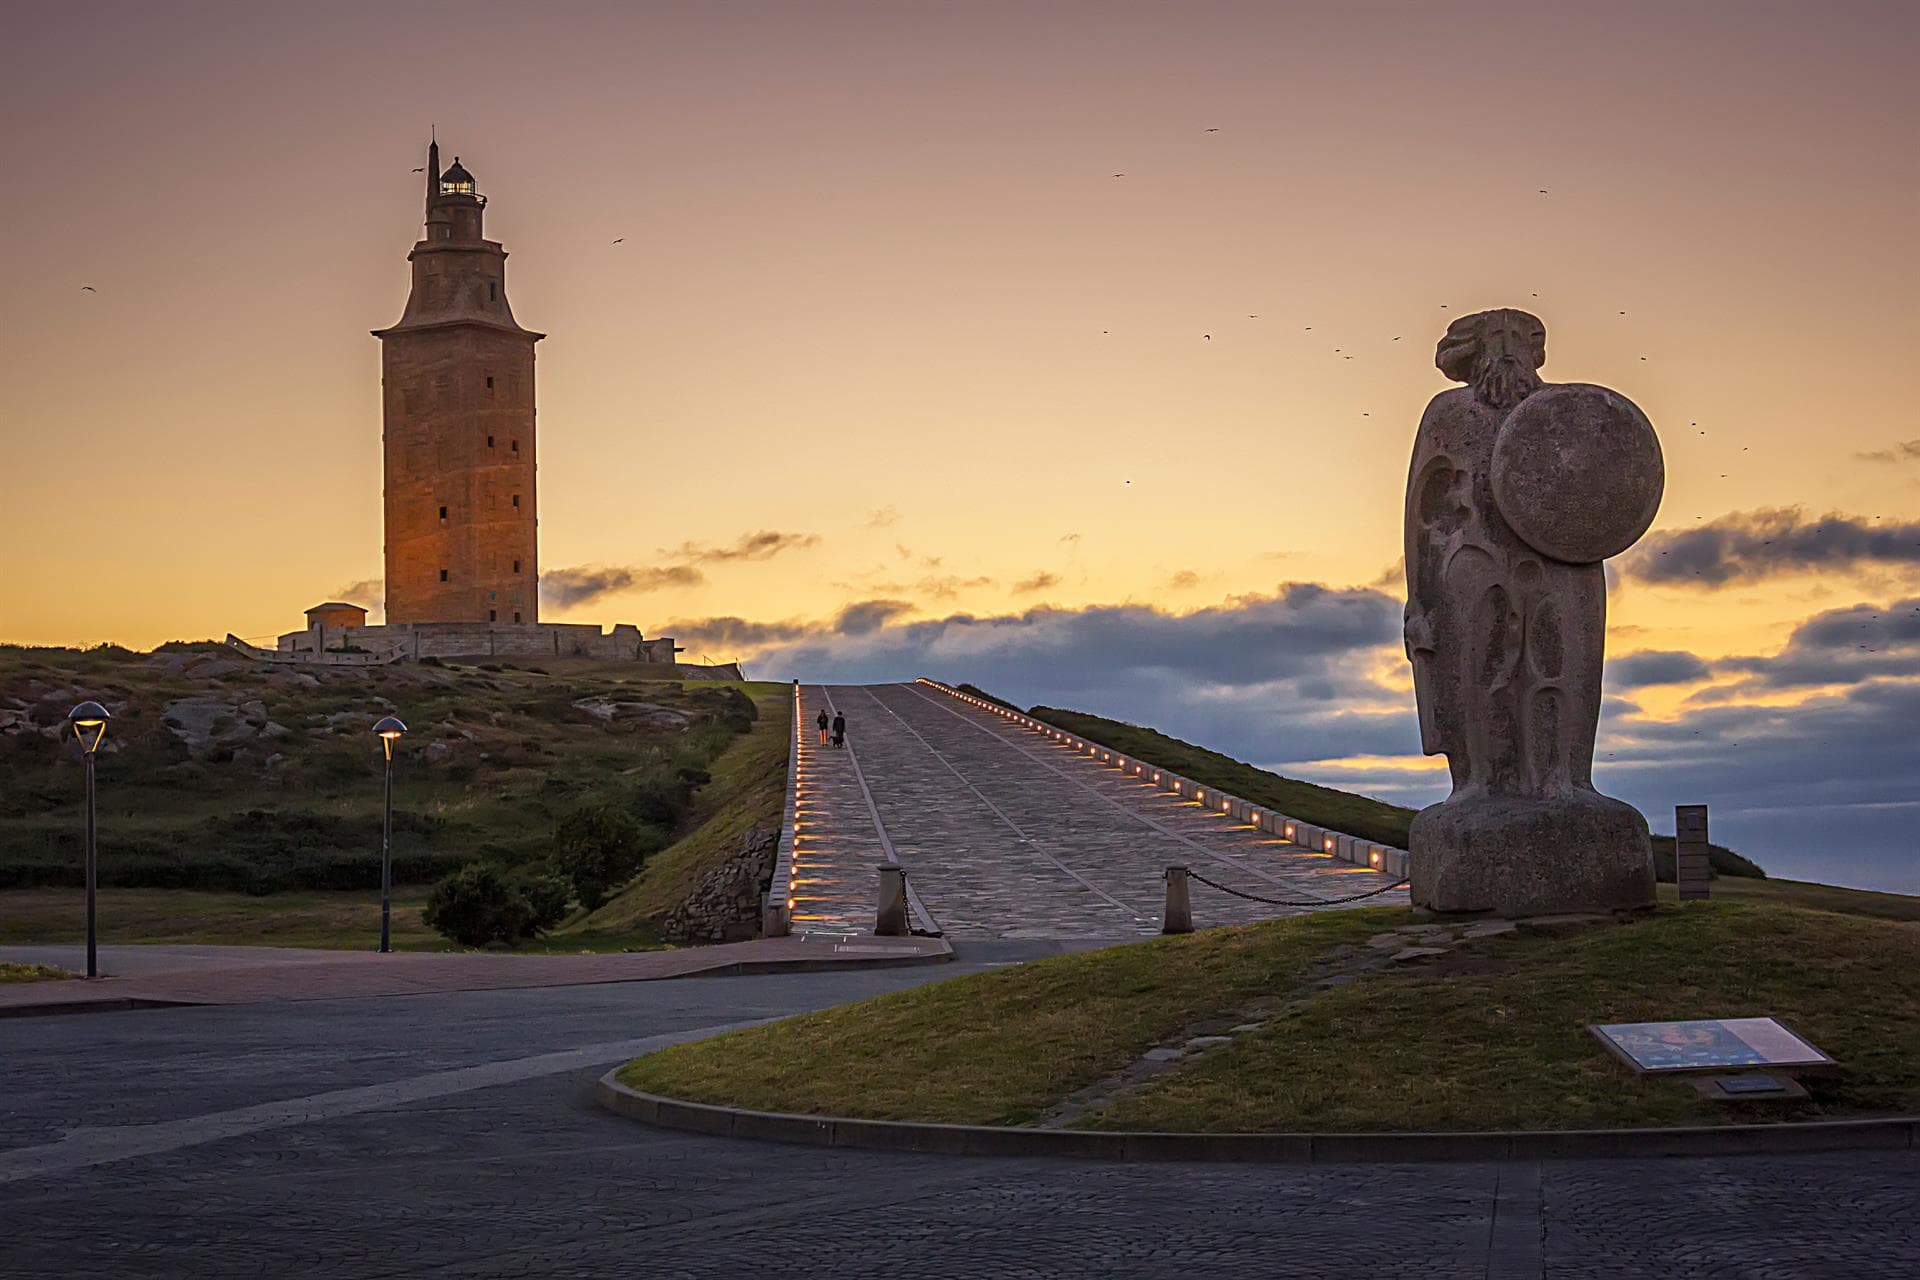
x: 457, y: 393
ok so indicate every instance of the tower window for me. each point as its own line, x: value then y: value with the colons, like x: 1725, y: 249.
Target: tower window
x: 514, y: 445
x: 516, y: 566
x: 516, y: 502
x: 489, y: 442
x: 493, y: 615
x: 516, y: 615
x: 493, y: 295
x: 489, y: 382
x: 443, y: 575
x: 443, y: 513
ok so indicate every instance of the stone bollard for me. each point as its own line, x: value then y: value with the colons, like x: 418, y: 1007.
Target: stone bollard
x: 776, y: 921
x: 890, y: 921
x: 1178, y: 916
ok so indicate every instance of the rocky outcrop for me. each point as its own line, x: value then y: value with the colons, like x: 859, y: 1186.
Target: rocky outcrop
x: 726, y: 905
x: 632, y: 715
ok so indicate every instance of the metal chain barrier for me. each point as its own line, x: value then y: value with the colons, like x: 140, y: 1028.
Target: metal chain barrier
x: 1277, y: 902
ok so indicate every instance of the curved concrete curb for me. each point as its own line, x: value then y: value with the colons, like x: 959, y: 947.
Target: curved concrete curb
x: 1901, y: 1133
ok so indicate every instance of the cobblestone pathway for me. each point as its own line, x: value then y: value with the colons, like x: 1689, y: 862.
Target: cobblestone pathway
x: 1007, y: 834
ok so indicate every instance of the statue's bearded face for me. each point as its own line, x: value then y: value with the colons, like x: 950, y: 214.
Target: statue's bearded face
x: 1497, y: 353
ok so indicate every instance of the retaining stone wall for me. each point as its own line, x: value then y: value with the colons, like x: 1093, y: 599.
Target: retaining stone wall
x: 726, y: 905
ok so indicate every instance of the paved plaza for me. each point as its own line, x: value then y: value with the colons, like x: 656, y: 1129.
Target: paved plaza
x: 452, y: 1135
x: 1008, y: 833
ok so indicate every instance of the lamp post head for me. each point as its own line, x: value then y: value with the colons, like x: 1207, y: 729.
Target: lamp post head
x: 389, y: 728
x: 89, y: 721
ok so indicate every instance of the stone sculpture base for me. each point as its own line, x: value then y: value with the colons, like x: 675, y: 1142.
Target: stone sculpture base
x: 1525, y: 856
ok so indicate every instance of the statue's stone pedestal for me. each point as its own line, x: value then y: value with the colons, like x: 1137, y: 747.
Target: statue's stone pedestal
x: 1526, y: 856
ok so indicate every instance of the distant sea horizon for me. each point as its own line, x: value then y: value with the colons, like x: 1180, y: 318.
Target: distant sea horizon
x: 1854, y: 846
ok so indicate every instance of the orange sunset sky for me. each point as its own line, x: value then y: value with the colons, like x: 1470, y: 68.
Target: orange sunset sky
x: 881, y: 291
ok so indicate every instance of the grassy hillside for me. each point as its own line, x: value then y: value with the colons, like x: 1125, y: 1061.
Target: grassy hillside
x: 1323, y: 806
x: 1490, y: 1038
x: 748, y: 789
x: 219, y: 773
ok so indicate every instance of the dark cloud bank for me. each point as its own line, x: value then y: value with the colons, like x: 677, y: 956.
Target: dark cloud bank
x: 1748, y: 545
x: 1310, y: 673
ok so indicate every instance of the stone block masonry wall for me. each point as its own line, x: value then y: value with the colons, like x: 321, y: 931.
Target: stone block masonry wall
x: 725, y: 906
x: 776, y: 917
x: 1334, y: 844
x: 532, y: 640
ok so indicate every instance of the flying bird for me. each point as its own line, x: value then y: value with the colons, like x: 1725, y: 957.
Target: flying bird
x: 1211, y: 131
x: 1119, y: 175
x: 1207, y: 336
x: 621, y: 240
x: 421, y: 169
x: 1543, y: 191
x: 87, y: 288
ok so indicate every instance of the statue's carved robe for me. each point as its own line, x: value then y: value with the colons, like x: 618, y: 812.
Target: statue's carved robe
x: 1506, y: 644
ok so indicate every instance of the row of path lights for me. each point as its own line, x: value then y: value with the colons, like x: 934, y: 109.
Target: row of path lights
x: 89, y: 721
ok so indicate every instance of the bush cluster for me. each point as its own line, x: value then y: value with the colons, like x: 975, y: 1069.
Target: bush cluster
x: 484, y: 903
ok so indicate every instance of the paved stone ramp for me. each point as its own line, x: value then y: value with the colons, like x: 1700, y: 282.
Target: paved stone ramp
x: 1007, y: 834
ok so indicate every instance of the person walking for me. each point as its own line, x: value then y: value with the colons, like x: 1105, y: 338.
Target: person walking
x: 821, y: 720
x: 839, y: 729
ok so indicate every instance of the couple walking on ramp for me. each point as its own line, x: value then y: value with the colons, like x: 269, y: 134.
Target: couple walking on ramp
x: 838, y: 724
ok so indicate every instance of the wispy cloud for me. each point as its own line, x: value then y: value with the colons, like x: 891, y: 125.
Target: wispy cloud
x: 1904, y: 451
x: 678, y: 567
x: 1748, y: 545
x: 884, y: 518
x: 1183, y: 580
x: 365, y: 591
x: 1040, y: 581
x: 565, y: 588
x: 764, y: 545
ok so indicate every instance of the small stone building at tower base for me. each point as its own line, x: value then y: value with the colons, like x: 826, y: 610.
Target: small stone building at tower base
x: 321, y: 642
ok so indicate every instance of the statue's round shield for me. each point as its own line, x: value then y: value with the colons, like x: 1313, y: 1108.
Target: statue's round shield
x: 1577, y: 472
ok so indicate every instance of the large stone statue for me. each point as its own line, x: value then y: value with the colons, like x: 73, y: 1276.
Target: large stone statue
x: 1518, y: 490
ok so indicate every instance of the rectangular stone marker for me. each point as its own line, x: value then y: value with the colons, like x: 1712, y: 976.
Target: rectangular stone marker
x: 1691, y: 872
x: 1712, y: 1044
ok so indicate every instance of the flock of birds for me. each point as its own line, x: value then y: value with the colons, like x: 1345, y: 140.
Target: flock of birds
x: 1208, y: 337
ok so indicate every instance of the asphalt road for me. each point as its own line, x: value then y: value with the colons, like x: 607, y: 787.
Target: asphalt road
x: 452, y: 1135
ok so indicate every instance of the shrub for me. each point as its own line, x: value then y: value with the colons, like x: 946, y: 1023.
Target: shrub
x: 659, y: 798
x: 478, y: 904
x: 549, y: 895
x: 599, y: 848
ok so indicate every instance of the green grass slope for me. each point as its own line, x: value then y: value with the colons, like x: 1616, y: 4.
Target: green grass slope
x: 1493, y: 1037
x: 748, y: 789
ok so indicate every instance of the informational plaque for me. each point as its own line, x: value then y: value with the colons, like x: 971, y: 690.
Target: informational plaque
x: 1714, y: 1044
x: 1691, y: 872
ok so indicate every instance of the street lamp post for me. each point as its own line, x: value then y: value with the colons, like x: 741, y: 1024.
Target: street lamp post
x: 89, y: 721
x: 389, y: 730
